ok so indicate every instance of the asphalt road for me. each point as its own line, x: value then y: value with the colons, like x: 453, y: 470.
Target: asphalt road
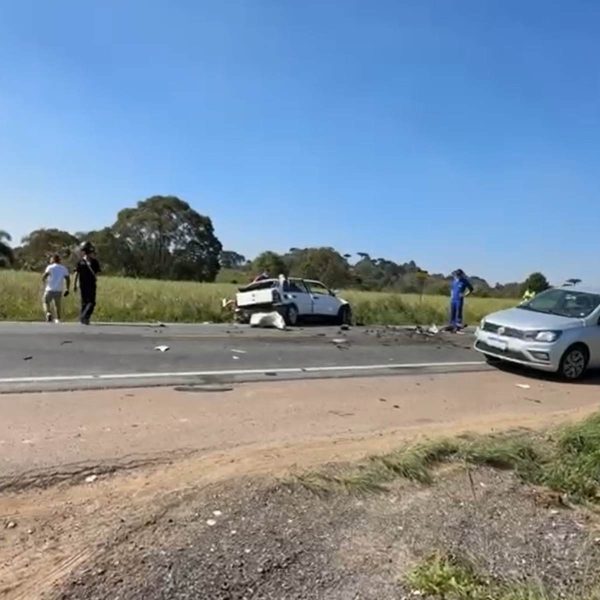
x: 72, y: 356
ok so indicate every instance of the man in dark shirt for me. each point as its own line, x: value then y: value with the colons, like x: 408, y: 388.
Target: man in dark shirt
x: 86, y: 275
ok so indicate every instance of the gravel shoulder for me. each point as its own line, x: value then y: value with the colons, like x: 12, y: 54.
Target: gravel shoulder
x: 91, y: 503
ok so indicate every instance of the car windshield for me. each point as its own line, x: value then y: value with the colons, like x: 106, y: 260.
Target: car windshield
x: 564, y: 302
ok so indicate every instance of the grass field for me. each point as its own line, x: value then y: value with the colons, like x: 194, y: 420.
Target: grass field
x: 122, y: 299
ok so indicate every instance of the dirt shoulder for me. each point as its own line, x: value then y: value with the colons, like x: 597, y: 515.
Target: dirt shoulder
x: 166, y: 448
x: 51, y: 432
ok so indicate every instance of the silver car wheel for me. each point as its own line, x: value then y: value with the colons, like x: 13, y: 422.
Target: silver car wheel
x: 574, y: 364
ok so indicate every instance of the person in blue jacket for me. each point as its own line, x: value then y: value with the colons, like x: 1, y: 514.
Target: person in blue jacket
x: 460, y: 288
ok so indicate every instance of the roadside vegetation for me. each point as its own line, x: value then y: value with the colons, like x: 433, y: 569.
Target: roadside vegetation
x: 129, y: 299
x: 452, y: 578
x: 565, y: 460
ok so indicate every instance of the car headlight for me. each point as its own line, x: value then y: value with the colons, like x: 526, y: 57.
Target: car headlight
x: 547, y: 336
x: 482, y: 324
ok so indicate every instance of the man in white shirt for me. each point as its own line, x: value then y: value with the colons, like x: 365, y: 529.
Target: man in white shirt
x: 55, y: 276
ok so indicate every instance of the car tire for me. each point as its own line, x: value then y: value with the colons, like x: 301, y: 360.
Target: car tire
x: 344, y: 316
x: 574, y: 362
x: 291, y: 316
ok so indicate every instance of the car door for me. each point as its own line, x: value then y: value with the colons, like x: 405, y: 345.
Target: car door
x: 593, y: 338
x: 325, y: 304
x: 298, y: 293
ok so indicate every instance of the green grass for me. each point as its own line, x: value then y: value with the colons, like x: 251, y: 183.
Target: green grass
x: 566, y: 460
x: 121, y: 299
x: 448, y: 578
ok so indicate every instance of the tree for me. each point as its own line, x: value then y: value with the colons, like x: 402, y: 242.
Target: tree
x: 271, y: 263
x: 7, y: 256
x: 232, y: 260
x: 166, y: 239
x: 536, y: 282
x: 324, y: 264
x: 37, y: 247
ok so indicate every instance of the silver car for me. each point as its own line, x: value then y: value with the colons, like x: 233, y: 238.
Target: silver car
x: 557, y: 331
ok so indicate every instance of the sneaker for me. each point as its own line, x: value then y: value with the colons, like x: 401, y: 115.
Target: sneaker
x: 48, y: 317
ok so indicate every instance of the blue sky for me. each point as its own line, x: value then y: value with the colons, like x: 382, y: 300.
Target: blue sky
x: 455, y: 133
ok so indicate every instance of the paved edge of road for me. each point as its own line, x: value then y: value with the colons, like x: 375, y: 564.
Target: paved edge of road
x: 224, y: 378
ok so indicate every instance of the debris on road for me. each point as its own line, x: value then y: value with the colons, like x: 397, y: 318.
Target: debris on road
x: 217, y: 513
x: 27, y: 357
x: 523, y: 386
x: 211, y: 522
x: 162, y: 348
x: 204, y: 387
x: 65, y: 342
x: 91, y: 478
x: 339, y: 341
x: 11, y: 525
x: 239, y: 351
x: 267, y: 320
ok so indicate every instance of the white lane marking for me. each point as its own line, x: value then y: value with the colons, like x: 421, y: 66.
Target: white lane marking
x: 285, y: 371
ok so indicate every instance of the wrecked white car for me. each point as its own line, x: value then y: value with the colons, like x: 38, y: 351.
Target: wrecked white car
x: 294, y: 299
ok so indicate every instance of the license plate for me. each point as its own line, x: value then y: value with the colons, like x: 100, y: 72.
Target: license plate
x: 497, y: 343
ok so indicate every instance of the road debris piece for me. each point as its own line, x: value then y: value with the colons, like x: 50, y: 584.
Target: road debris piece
x: 211, y: 522
x: 339, y: 341
x: 523, y: 386
x: 217, y: 513
x: 239, y: 351
x: 533, y: 400
x: 162, y: 348
x: 91, y: 478
x: 27, y: 357
x: 204, y: 387
x: 268, y: 320
x: 11, y: 525
x: 65, y: 342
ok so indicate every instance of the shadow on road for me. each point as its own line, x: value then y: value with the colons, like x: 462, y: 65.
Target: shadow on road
x: 592, y: 377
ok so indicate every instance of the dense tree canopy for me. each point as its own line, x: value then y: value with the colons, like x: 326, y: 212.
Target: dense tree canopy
x: 39, y: 245
x: 536, y: 282
x: 271, y: 263
x: 163, y: 237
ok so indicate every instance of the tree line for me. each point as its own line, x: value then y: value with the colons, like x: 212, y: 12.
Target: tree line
x: 164, y: 238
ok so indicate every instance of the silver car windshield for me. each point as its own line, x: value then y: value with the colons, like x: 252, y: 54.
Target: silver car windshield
x: 564, y: 302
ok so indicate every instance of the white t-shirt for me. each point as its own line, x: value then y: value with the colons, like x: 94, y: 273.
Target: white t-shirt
x: 56, y: 276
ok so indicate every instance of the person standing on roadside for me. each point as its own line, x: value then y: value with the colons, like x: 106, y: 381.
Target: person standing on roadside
x: 86, y: 276
x: 461, y: 287
x: 55, y: 277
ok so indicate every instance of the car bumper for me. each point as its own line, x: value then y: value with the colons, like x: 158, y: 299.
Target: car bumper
x: 541, y: 356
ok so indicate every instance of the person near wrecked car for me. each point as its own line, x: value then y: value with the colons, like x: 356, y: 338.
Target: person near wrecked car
x: 55, y: 276
x: 460, y: 288
x: 86, y: 279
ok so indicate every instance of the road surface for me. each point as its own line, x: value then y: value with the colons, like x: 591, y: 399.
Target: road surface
x: 72, y: 356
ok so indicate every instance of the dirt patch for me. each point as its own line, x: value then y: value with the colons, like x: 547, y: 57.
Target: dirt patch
x: 258, y: 539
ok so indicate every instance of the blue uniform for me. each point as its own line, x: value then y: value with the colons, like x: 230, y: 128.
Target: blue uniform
x: 457, y: 292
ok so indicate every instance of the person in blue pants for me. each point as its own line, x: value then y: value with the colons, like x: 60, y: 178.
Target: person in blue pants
x: 460, y: 288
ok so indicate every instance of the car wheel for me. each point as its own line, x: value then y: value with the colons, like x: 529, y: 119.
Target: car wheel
x: 291, y: 315
x: 574, y: 362
x: 345, y: 316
